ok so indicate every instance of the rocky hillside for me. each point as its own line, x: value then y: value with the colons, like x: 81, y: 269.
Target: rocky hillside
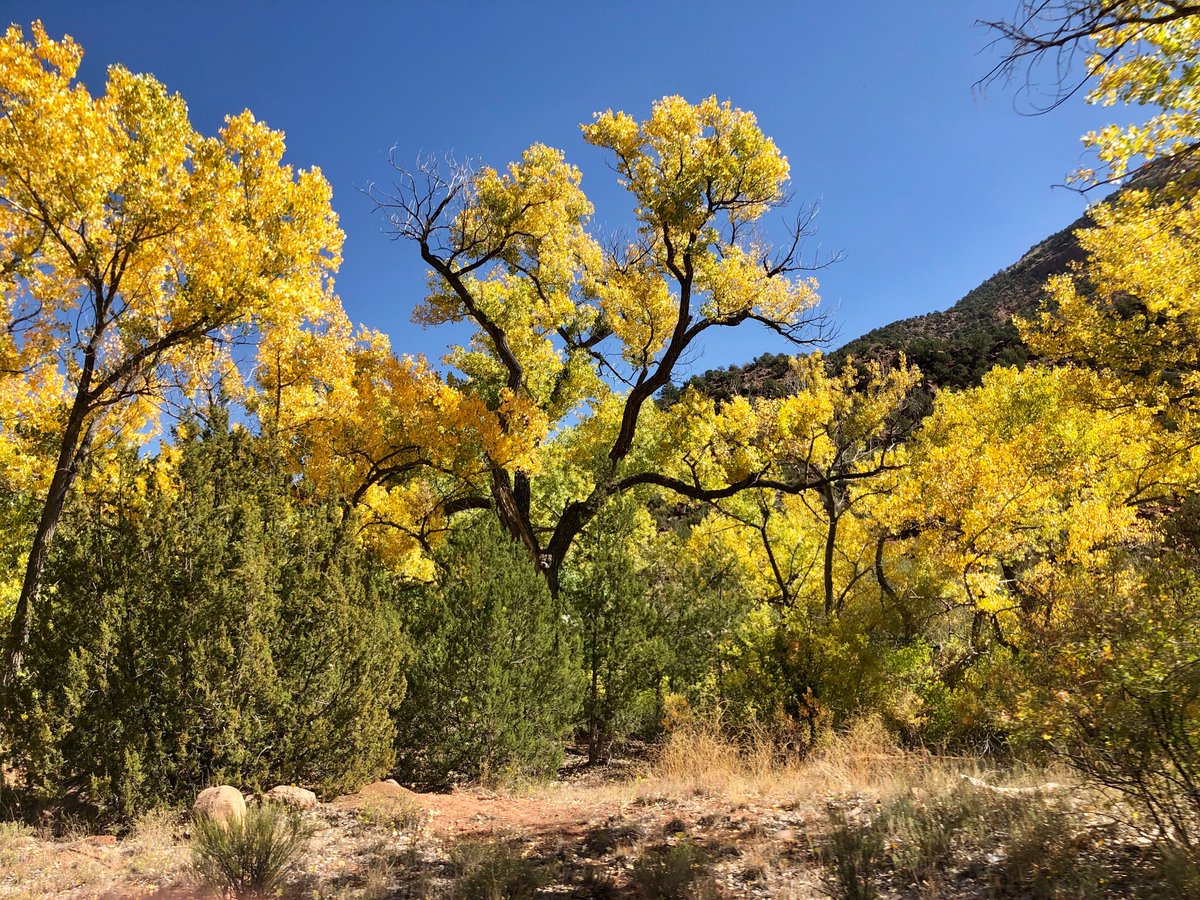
x: 953, y: 347
x: 956, y: 346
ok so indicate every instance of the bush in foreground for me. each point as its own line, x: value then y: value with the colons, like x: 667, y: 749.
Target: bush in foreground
x: 252, y: 854
x: 207, y: 624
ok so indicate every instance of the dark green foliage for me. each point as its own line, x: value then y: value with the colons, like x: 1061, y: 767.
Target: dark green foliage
x: 494, y: 687
x: 223, y: 630
x: 617, y: 623
x: 252, y: 854
x: 769, y: 375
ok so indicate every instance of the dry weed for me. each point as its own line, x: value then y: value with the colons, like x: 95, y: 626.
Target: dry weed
x: 700, y: 761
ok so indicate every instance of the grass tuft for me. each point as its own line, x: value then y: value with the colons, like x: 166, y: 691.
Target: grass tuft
x: 678, y: 872
x: 250, y: 855
x: 497, y: 870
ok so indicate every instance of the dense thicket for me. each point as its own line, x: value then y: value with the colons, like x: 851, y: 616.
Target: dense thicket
x: 494, y: 686
x: 218, y: 628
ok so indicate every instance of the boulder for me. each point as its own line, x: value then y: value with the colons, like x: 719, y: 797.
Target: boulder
x: 221, y: 804
x: 289, y: 795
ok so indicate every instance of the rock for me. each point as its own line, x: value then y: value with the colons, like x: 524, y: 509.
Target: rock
x: 221, y: 804
x: 289, y: 795
x: 384, y: 790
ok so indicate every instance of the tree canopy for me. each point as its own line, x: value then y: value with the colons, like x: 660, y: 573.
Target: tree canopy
x: 133, y: 251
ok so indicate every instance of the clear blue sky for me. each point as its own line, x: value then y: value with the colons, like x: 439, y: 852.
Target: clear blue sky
x: 927, y: 187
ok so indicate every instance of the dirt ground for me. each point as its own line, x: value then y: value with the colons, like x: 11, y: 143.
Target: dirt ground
x: 583, y: 835
x: 703, y: 821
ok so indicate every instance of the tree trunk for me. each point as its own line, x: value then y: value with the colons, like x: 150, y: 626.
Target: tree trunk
x: 513, y: 510
x: 834, y: 513
x: 75, y: 444
x: 594, y: 705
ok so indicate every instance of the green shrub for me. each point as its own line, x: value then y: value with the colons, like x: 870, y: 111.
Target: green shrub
x: 208, y: 624
x: 1037, y: 847
x: 494, y: 870
x: 678, y: 872
x: 807, y: 672
x: 1115, y: 689
x: 494, y: 688
x: 921, y: 836
x: 852, y: 851
x: 251, y: 854
x: 610, y: 597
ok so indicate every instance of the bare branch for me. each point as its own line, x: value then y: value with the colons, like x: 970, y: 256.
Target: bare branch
x: 1050, y: 33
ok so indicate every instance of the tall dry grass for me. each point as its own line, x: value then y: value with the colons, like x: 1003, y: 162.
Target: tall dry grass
x: 701, y: 760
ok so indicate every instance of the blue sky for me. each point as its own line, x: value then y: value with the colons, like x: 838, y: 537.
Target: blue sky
x: 926, y: 186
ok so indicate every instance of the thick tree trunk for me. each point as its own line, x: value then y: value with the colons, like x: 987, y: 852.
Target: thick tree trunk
x: 513, y: 513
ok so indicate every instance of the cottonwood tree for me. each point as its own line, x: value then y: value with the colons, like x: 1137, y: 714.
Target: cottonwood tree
x: 1129, y: 310
x: 1056, y: 33
x: 1133, y: 52
x: 132, y: 249
x: 845, y: 430
x: 1018, y: 486
x: 569, y: 327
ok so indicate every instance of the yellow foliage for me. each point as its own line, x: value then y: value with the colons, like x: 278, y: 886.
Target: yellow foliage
x: 1020, y: 480
x: 130, y: 245
x: 1149, y: 65
x: 1132, y: 310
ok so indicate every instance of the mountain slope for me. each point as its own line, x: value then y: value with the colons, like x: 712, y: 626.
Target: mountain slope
x: 956, y: 346
x: 953, y: 347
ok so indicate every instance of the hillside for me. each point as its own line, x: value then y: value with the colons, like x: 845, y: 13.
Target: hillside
x: 953, y: 347
x: 956, y: 346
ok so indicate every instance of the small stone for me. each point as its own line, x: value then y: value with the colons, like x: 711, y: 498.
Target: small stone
x: 221, y: 804
x: 295, y: 797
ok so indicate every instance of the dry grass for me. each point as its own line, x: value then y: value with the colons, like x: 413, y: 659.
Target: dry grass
x: 398, y: 815
x: 699, y: 761
x: 75, y: 864
x: 865, y: 761
x: 705, y: 816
